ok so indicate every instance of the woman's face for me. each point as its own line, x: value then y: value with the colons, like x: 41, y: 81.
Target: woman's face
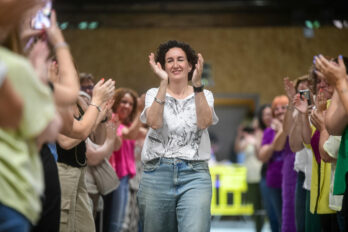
x: 267, y: 116
x: 324, y: 87
x: 279, y: 112
x: 125, y: 107
x: 176, y: 64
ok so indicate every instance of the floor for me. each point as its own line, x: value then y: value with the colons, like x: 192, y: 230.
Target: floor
x: 235, y: 225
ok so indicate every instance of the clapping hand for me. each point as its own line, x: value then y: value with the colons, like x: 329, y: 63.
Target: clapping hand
x: 157, y: 68
x: 289, y: 88
x: 333, y: 72
x: 197, y: 73
x: 300, y: 103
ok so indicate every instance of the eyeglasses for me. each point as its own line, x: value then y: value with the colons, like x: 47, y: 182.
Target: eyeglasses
x: 88, y: 87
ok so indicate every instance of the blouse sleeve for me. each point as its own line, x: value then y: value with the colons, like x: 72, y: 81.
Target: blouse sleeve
x: 149, y: 98
x: 210, y: 99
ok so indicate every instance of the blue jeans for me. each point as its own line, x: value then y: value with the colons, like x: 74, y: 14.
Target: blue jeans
x: 115, y: 206
x: 276, y: 201
x: 175, y: 195
x: 300, y: 203
x: 268, y: 205
x: 12, y: 221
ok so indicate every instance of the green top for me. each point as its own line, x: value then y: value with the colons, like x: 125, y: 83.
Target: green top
x: 342, y: 165
x: 21, y: 177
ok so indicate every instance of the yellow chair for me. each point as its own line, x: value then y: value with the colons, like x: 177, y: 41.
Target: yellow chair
x: 229, y: 180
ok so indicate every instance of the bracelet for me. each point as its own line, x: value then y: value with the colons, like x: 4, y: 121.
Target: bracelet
x: 159, y: 101
x: 98, y: 108
x: 198, y: 89
x: 61, y: 45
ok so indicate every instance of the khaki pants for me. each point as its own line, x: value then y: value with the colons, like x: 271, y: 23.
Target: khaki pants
x: 76, y: 214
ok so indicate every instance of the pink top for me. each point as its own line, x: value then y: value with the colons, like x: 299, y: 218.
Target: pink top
x: 123, y: 160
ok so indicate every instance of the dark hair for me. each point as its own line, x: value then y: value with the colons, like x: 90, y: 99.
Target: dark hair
x: 259, y: 116
x: 162, y: 50
x: 86, y: 77
x: 119, y: 94
x: 301, y: 79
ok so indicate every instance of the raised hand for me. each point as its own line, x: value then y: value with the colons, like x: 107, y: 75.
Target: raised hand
x: 103, y: 91
x: 321, y: 101
x: 317, y: 119
x: 276, y: 124
x: 289, y: 88
x: 157, y: 68
x: 333, y: 72
x: 300, y: 103
x: 141, y: 102
x: 197, y: 74
x: 54, y: 34
x: 38, y: 58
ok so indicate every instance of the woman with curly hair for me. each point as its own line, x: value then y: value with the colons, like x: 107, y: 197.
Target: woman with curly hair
x: 175, y: 188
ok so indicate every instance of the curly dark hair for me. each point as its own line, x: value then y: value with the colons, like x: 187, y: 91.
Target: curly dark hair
x: 162, y: 50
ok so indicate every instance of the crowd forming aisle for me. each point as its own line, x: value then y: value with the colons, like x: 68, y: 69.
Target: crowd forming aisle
x: 78, y: 154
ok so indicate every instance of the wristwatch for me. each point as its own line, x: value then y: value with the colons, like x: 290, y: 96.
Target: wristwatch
x: 198, y: 89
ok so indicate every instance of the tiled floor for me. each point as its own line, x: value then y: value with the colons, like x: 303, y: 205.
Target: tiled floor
x: 238, y: 225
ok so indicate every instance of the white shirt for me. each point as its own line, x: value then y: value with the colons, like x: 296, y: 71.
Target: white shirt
x: 179, y: 136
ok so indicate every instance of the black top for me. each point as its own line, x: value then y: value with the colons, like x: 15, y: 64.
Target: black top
x: 75, y: 157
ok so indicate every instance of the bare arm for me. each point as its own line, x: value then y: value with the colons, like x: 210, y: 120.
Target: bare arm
x: 203, y: 111
x: 67, y: 87
x: 66, y: 142
x: 154, y: 114
x: 296, y: 141
x: 266, y: 152
x: 335, y: 118
x: 96, y: 155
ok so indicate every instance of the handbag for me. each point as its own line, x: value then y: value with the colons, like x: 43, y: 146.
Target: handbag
x: 105, y: 177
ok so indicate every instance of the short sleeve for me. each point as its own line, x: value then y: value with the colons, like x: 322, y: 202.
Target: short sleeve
x: 332, y: 145
x: 268, y: 136
x: 149, y: 98
x: 3, y: 72
x: 210, y: 99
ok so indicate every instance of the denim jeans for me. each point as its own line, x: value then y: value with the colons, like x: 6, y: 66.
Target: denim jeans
x: 276, y: 202
x: 300, y: 203
x: 12, y: 221
x: 175, y: 195
x: 272, y: 216
x: 115, y: 205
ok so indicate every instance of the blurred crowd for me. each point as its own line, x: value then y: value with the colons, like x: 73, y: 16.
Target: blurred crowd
x: 69, y: 146
x: 295, y: 153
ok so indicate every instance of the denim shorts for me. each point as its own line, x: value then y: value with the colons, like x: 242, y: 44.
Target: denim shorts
x: 175, y: 195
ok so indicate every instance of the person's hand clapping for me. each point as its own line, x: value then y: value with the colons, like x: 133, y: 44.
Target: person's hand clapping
x: 54, y: 34
x: 300, y: 103
x: 197, y: 73
x: 157, y: 68
x: 333, y: 72
x: 103, y: 91
x: 38, y: 57
x: 289, y: 88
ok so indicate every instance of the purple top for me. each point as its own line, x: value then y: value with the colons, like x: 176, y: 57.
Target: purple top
x: 315, y: 145
x: 275, y: 164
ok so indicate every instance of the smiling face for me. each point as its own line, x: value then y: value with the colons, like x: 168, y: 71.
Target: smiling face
x: 125, y: 107
x: 176, y: 64
x: 322, y: 85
